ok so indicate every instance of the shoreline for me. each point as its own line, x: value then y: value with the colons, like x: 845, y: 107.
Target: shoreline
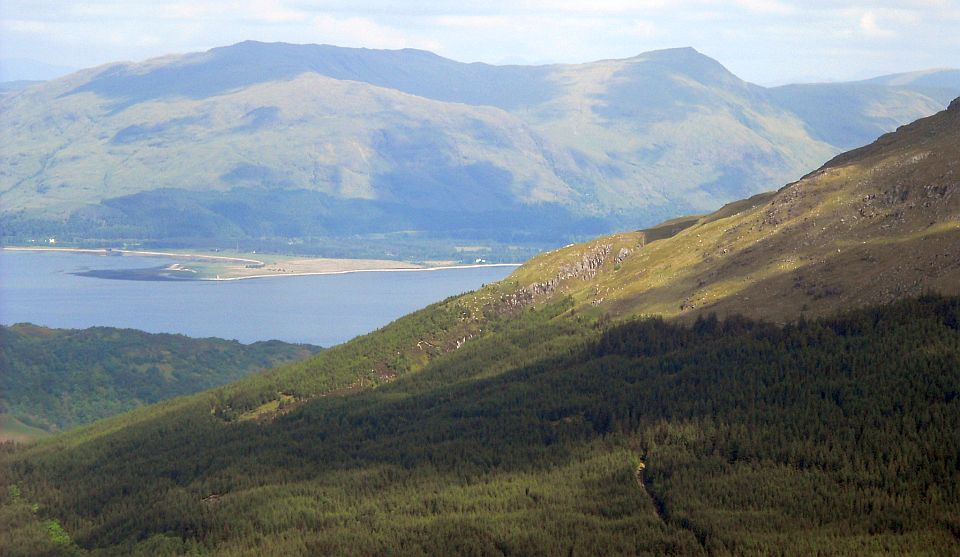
x: 137, y: 253
x: 407, y: 267
x: 349, y: 271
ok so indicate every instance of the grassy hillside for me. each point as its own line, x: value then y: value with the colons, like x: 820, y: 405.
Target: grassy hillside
x: 55, y: 379
x: 416, y: 148
x: 872, y: 225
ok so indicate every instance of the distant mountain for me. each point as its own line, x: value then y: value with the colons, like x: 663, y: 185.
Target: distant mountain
x: 851, y: 114
x: 935, y: 79
x: 294, y: 144
x: 55, y: 379
x: 869, y: 227
x: 608, y: 398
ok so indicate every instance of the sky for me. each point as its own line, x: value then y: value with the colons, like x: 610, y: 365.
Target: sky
x: 767, y: 42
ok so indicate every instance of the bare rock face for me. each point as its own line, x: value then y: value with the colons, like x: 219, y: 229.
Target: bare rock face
x: 583, y: 269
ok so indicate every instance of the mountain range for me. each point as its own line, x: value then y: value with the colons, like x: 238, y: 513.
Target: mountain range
x: 780, y: 376
x: 304, y: 144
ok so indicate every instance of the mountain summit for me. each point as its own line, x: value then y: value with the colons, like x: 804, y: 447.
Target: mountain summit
x: 299, y: 144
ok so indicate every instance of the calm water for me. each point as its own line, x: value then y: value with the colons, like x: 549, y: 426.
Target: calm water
x: 323, y: 310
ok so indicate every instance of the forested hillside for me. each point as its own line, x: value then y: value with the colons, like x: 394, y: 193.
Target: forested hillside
x: 54, y: 379
x: 545, y: 437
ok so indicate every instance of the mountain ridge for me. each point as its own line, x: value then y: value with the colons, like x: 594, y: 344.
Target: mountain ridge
x: 627, y: 142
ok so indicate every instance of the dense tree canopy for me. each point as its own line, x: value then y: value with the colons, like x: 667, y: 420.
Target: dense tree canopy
x: 548, y: 436
x: 54, y: 379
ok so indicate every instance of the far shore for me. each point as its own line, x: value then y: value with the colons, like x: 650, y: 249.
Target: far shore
x: 387, y: 270
x: 107, y: 251
x: 227, y: 268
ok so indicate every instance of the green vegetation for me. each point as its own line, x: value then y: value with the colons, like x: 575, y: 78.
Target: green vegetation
x: 54, y: 379
x: 872, y: 225
x: 551, y: 434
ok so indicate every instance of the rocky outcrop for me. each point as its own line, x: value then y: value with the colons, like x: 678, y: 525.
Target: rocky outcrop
x: 584, y: 268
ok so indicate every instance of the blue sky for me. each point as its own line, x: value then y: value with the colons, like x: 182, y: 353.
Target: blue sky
x: 764, y: 41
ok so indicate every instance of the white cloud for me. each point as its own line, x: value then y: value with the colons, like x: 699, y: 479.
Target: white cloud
x: 643, y: 29
x: 766, y: 7
x: 475, y: 22
x: 596, y: 7
x: 272, y: 11
x: 188, y: 10
x: 868, y: 26
x: 25, y: 26
x: 359, y: 31
x: 883, y: 23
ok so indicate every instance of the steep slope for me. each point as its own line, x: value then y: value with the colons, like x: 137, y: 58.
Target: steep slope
x: 870, y: 226
x: 55, y: 379
x: 276, y: 142
x: 519, y: 419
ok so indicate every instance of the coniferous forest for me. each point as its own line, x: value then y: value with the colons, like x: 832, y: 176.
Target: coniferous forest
x: 556, y: 433
x: 54, y: 379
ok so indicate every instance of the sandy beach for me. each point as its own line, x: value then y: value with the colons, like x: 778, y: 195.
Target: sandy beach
x: 212, y: 267
x: 366, y: 270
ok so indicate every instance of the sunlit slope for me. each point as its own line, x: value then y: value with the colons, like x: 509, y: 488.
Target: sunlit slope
x: 872, y: 225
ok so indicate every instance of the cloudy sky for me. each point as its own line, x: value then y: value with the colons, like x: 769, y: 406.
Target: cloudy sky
x: 764, y: 41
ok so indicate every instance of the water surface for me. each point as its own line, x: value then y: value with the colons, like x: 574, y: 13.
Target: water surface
x: 324, y: 310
